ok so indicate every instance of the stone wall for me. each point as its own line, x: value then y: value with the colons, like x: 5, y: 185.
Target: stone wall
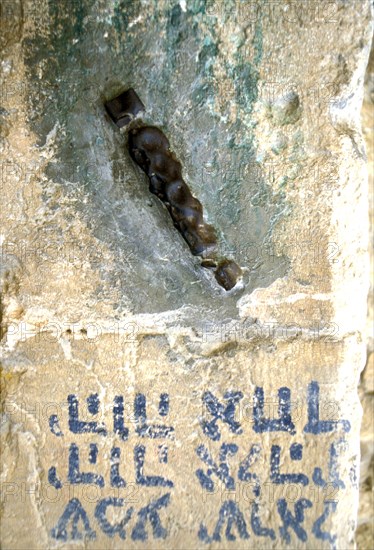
x: 365, y: 528
x: 144, y: 406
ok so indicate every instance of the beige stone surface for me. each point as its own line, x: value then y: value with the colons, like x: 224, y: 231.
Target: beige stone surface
x: 73, y: 325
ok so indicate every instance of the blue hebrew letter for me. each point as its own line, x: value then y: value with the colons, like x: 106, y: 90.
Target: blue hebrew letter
x: 230, y: 514
x: 116, y: 480
x: 80, y: 426
x: 148, y: 481
x: 74, y: 511
x: 226, y: 413
x: 163, y: 454
x: 222, y: 471
x: 151, y: 430
x: 258, y: 529
x: 276, y: 476
x: 119, y: 427
x: 316, y: 529
x: 105, y: 526
x: 75, y: 476
x: 293, y: 521
x: 244, y: 474
x: 55, y: 426
x: 53, y: 479
x: 314, y: 424
x: 150, y: 513
x: 333, y: 468
x: 281, y: 424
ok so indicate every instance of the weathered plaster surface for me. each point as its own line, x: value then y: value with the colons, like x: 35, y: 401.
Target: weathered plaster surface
x: 261, y: 102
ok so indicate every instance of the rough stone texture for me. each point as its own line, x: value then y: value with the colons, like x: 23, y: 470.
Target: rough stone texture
x: 365, y: 528
x: 261, y: 103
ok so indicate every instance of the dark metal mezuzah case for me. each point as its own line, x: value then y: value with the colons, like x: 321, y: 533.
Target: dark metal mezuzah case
x: 150, y: 149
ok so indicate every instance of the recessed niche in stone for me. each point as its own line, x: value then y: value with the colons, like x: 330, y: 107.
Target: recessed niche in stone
x: 172, y: 69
